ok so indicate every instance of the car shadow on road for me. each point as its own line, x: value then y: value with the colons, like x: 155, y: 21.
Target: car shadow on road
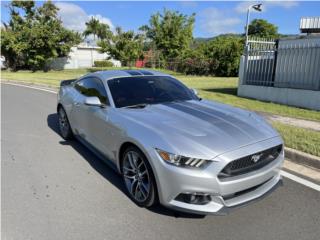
x: 107, y: 172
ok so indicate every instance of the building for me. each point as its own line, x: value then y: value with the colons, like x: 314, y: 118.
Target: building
x: 81, y: 56
x: 310, y: 25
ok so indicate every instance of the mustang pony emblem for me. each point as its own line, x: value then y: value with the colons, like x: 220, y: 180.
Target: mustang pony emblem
x: 255, y: 158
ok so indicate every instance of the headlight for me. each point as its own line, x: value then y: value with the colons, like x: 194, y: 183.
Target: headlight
x: 181, y: 160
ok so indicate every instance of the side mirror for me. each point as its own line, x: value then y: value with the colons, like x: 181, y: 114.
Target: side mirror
x: 93, y: 101
x: 194, y: 91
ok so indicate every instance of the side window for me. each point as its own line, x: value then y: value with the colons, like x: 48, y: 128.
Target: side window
x: 79, y: 86
x: 92, y: 87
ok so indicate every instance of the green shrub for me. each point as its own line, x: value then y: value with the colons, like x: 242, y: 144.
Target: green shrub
x: 103, y: 63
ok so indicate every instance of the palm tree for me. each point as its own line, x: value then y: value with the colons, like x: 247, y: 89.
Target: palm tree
x: 103, y: 31
x: 92, y: 27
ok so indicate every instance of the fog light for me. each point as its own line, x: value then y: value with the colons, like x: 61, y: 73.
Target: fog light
x: 194, y: 198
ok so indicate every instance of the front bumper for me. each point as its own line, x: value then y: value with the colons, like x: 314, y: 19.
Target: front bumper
x: 226, y: 193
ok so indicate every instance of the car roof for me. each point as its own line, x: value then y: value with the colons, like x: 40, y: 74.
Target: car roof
x: 110, y: 74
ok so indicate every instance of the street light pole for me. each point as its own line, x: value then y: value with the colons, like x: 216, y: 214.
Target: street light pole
x: 256, y: 7
x: 247, y: 25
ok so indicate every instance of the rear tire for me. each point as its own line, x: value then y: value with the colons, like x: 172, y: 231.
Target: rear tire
x: 138, y: 178
x: 64, y: 125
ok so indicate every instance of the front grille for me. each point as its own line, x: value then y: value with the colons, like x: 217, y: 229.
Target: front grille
x: 251, y: 162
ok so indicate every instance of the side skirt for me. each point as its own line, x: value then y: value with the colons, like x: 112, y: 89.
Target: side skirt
x: 97, y: 153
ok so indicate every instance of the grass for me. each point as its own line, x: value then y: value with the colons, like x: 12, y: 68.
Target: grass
x: 225, y: 90
x: 51, y: 78
x: 301, y: 139
x: 213, y: 88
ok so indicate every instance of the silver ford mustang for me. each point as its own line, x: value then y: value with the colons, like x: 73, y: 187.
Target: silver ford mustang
x: 169, y: 145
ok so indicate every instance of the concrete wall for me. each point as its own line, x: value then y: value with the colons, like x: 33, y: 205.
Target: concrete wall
x: 80, y: 57
x: 288, y: 96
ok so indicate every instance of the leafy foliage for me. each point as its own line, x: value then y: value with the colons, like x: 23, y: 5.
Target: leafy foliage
x: 226, y: 51
x: 219, y: 57
x: 103, y: 63
x: 171, y: 32
x: 262, y: 28
x: 29, y: 41
x: 35, y: 35
x: 123, y: 46
x: 96, y: 28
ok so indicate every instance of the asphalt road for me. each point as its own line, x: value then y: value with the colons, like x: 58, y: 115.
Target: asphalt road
x: 52, y: 189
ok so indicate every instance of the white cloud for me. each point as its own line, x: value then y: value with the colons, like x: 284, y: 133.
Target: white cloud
x: 74, y: 17
x: 243, y: 6
x: 189, y: 4
x: 214, y: 21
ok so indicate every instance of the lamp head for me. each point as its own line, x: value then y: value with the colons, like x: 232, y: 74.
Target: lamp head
x: 257, y: 7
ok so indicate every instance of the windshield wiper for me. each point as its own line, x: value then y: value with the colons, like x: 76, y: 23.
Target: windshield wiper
x: 140, y: 105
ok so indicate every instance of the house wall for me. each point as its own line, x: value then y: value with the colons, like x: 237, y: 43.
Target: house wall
x: 80, y: 57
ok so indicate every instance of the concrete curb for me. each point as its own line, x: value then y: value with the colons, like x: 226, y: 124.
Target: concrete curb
x: 302, y: 158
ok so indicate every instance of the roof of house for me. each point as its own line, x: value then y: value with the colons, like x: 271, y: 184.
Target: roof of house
x: 110, y: 74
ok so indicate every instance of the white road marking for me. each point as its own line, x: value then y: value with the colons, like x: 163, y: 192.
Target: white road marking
x: 301, y: 180
x: 26, y: 86
x: 283, y: 173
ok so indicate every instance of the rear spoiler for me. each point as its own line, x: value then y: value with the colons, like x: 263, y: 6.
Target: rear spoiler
x: 66, y: 82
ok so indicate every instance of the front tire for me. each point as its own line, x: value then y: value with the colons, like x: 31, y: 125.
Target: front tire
x: 64, y: 125
x: 138, y: 177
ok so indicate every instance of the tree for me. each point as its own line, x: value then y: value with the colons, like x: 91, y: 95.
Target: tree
x: 92, y: 27
x: 262, y: 28
x: 171, y: 32
x: 226, y: 51
x: 123, y: 46
x: 104, y: 31
x: 34, y: 35
x: 96, y: 28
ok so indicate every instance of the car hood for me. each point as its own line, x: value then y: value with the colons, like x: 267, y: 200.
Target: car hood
x: 197, y: 128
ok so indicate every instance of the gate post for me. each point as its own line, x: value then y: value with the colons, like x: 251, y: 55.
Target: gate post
x: 244, y: 65
x: 275, y: 62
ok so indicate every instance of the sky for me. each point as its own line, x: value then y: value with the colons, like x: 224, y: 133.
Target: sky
x: 212, y: 17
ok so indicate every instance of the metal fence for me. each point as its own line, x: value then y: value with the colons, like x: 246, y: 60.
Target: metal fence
x: 287, y: 64
x: 260, y: 62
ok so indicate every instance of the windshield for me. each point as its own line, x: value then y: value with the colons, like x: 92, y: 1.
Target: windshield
x: 130, y: 91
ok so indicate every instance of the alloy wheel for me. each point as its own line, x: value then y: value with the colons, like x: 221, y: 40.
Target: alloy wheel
x: 63, y: 123
x: 136, y: 176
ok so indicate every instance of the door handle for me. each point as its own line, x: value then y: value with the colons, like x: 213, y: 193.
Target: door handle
x: 77, y: 104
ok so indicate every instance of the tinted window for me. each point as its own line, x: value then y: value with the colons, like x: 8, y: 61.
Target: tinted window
x: 148, y: 89
x: 92, y: 87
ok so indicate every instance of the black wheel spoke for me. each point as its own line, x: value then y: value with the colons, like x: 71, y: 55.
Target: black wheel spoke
x: 133, y: 189
x: 129, y: 169
x: 142, y: 191
x: 128, y: 176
